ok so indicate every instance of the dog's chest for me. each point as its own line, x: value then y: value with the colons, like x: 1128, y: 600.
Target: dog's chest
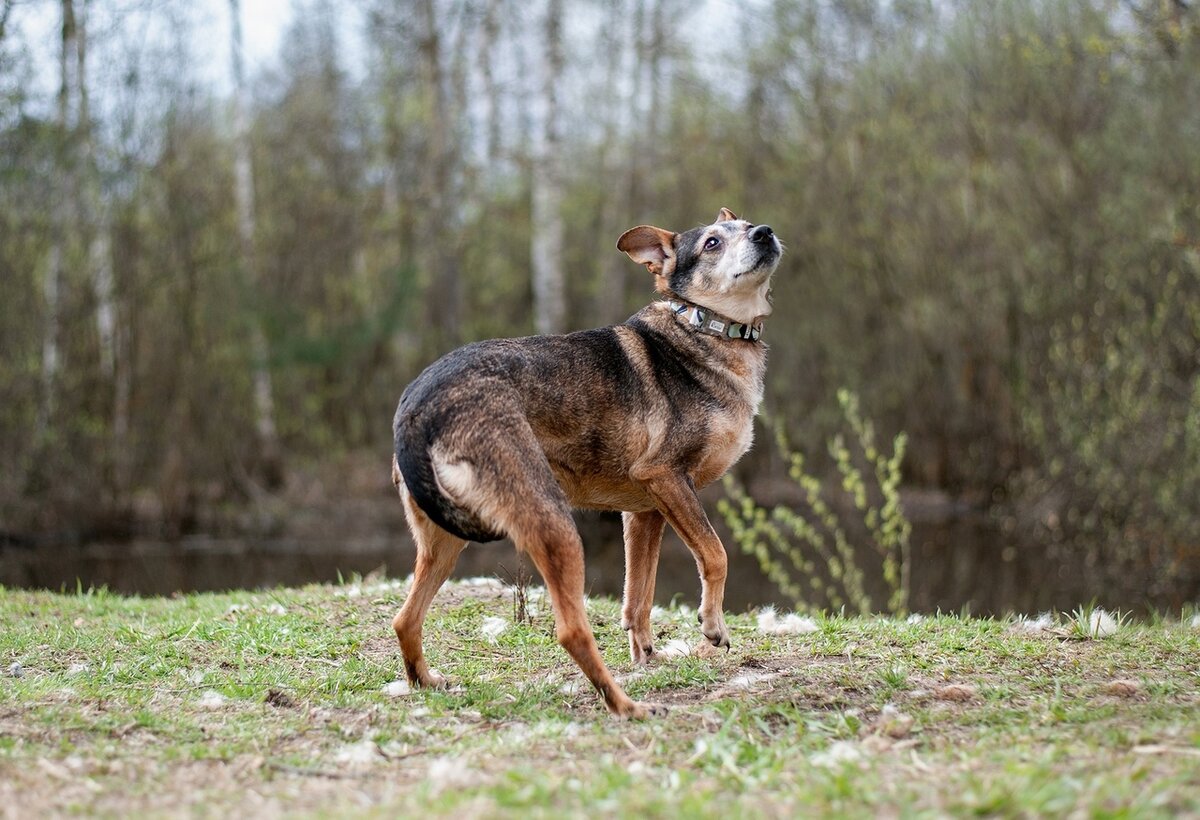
x: 730, y: 435
x: 730, y: 430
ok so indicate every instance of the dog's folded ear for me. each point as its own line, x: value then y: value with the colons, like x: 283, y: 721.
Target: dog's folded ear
x: 649, y: 246
x: 726, y: 215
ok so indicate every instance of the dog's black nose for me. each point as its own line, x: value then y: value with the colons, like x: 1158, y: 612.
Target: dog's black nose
x: 761, y: 233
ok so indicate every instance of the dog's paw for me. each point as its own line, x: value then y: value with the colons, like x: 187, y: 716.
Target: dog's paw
x: 641, y: 652
x: 433, y: 679
x: 646, y: 657
x: 640, y: 711
x: 715, y: 630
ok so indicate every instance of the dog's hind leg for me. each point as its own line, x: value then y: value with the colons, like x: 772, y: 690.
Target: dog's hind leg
x: 557, y: 552
x: 437, y: 553
x: 541, y: 527
x: 643, y: 538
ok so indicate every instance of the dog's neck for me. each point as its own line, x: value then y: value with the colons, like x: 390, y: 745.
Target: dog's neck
x: 705, y: 320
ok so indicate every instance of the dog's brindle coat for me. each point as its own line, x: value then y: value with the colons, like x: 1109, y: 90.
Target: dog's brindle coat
x: 504, y: 437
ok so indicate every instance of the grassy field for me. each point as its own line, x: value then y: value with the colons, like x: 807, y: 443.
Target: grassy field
x: 287, y: 701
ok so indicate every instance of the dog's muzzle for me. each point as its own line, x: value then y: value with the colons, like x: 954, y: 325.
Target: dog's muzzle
x: 763, y: 238
x: 762, y: 234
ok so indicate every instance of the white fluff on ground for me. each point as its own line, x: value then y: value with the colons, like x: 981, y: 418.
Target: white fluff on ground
x: 1034, y: 626
x: 397, y: 688
x: 676, y: 648
x: 770, y: 623
x: 1101, y: 624
x: 839, y: 753
x: 448, y: 772
x: 483, y: 581
x: 212, y: 700
x: 747, y: 680
x: 493, y: 628
x: 365, y: 752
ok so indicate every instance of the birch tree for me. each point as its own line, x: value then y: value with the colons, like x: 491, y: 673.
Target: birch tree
x: 546, y: 230
x: 95, y: 226
x: 56, y: 263
x: 489, y: 38
x: 264, y: 399
x: 613, y: 287
x: 438, y: 238
x: 91, y: 214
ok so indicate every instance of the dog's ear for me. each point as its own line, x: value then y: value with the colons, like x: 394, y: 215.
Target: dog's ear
x: 726, y: 215
x: 649, y: 246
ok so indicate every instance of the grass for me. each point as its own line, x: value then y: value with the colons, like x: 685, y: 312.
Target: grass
x: 274, y: 702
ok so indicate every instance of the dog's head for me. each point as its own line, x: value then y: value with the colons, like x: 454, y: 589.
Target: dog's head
x: 725, y: 266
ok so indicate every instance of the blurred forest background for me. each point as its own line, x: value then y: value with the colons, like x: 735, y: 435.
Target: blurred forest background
x: 210, y: 300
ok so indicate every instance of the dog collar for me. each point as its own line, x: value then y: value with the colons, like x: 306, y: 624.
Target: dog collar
x: 713, y: 323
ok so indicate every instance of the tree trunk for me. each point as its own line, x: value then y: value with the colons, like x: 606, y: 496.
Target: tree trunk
x: 91, y: 207
x: 64, y: 194
x: 438, y: 236
x: 397, y: 189
x: 546, y: 230
x: 611, y: 298
x: 490, y: 35
x: 94, y: 224
x: 94, y: 220
x: 655, y: 118
x: 269, y: 456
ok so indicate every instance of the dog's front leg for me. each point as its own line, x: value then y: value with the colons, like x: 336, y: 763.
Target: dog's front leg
x: 675, y: 497
x: 643, y: 538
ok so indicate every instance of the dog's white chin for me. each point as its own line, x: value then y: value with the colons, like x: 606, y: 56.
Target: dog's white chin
x: 744, y: 300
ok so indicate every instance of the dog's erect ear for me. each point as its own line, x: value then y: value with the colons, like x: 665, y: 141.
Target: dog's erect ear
x: 726, y: 215
x: 649, y: 246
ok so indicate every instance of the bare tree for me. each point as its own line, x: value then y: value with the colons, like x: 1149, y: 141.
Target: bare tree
x: 264, y: 398
x: 68, y: 96
x: 397, y: 158
x: 95, y: 226
x: 612, y: 294
x: 91, y: 208
x: 546, y: 231
x: 489, y: 37
x: 439, y: 238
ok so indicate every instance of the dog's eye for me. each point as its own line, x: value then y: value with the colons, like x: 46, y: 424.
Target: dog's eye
x: 711, y: 243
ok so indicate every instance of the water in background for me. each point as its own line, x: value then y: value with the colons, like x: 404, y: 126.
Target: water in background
x: 960, y: 563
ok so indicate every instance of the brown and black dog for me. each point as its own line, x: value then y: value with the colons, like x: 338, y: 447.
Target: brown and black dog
x: 504, y: 437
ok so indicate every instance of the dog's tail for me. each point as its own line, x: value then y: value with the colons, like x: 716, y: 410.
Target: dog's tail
x: 416, y: 468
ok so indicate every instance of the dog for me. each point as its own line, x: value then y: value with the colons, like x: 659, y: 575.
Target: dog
x: 504, y: 437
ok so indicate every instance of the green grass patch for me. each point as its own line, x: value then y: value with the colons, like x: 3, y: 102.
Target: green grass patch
x: 276, y: 700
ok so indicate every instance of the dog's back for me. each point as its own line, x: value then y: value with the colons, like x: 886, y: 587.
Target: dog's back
x: 591, y: 402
